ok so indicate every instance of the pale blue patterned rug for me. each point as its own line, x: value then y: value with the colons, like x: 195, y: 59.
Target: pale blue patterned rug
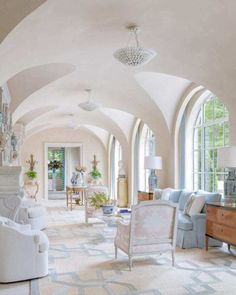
x: 82, y: 263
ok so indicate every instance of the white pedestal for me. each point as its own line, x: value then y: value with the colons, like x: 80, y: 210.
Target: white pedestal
x: 122, y: 193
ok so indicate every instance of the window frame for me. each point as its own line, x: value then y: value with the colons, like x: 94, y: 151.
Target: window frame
x: 202, y: 147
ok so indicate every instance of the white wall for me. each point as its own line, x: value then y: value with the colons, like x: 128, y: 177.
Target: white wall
x: 91, y: 146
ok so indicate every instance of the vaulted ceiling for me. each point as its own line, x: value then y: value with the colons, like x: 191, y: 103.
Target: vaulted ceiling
x: 52, y: 50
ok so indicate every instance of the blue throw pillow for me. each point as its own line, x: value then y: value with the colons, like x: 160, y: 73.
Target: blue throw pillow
x: 174, y: 195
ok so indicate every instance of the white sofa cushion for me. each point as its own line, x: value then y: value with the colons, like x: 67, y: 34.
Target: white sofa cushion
x: 36, y: 211
x: 194, y: 205
x: 165, y: 196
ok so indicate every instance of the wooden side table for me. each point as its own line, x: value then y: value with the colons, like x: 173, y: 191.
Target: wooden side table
x: 145, y: 196
x: 221, y: 222
x: 70, y: 190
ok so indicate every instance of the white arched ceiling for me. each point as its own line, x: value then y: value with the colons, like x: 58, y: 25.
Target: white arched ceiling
x: 59, y: 118
x: 165, y: 90
x: 67, y: 93
x: 193, y: 40
x: 13, y: 11
x: 29, y: 81
x: 123, y: 119
x: 101, y: 134
x: 189, y: 41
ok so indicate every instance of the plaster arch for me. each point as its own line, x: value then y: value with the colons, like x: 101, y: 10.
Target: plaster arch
x: 189, y: 95
x: 39, y: 76
x: 86, y: 128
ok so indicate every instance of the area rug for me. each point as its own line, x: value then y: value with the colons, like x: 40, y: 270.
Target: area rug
x: 82, y: 262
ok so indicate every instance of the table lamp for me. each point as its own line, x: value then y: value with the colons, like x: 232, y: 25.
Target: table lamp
x: 153, y: 163
x: 227, y: 159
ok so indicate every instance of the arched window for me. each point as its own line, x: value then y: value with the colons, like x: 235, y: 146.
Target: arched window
x: 146, y: 147
x: 211, y: 131
x: 116, y: 156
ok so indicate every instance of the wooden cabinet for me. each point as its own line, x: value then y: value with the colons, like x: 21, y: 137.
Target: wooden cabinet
x: 145, y: 196
x: 221, y: 222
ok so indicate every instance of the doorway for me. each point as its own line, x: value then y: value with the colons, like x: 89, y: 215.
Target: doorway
x: 61, y: 159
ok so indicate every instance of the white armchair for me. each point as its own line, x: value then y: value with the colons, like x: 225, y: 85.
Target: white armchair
x: 152, y: 229
x: 89, y: 192
x: 9, y: 206
x: 23, y: 252
x: 12, y: 202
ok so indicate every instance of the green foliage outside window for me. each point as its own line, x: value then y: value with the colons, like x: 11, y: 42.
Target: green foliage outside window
x: 210, y: 133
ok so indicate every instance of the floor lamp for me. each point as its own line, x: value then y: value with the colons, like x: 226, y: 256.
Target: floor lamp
x: 227, y: 159
x: 152, y: 163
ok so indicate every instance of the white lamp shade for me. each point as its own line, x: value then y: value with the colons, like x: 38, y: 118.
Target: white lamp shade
x: 152, y: 162
x: 227, y: 157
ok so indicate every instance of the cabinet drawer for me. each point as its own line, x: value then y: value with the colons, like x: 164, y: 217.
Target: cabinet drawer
x: 222, y: 232
x: 212, y: 213
x: 222, y: 216
x: 144, y: 196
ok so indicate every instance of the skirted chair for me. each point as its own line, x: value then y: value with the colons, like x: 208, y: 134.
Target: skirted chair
x: 152, y: 229
x: 89, y: 192
x: 23, y: 252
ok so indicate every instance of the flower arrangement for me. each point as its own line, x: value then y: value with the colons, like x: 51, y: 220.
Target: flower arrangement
x: 81, y: 169
x: 54, y: 165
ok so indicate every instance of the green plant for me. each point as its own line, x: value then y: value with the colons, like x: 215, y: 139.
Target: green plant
x: 99, y: 199
x: 95, y: 173
x: 31, y: 174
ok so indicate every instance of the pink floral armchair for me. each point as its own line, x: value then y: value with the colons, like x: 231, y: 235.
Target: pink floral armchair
x: 152, y: 229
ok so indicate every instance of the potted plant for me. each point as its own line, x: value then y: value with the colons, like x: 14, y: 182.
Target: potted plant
x: 31, y: 173
x: 101, y: 200
x: 95, y: 174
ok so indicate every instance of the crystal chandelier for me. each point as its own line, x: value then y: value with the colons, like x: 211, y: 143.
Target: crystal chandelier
x: 90, y: 104
x: 134, y: 55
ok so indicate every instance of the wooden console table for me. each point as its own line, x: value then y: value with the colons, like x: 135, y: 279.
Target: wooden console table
x: 70, y: 190
x: 145, y: 196
x: 221, y: 222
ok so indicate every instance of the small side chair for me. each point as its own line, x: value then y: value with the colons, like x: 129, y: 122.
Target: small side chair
x: 152, y: 229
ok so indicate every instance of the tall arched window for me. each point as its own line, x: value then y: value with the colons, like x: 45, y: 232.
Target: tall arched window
x: 146, y: 148
x: 211, y: 131
x: 116, y: 156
